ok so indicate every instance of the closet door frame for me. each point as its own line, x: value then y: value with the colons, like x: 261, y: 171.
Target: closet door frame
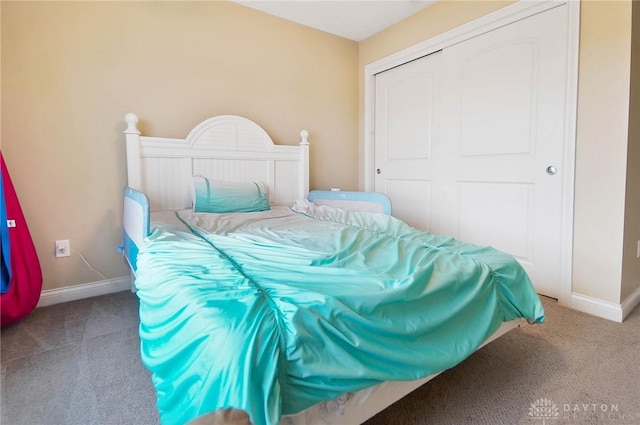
x: 501, y: 17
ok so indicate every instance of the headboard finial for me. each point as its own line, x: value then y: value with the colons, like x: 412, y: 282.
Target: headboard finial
x: 132, y: 121
x: 304, y: 137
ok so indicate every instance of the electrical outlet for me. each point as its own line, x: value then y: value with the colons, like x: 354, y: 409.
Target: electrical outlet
x: 11, y: 223
x: 63, y: 249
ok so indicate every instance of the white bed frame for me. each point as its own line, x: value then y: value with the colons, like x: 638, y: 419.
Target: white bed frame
x: 233, y: 148
x: 227, y: 148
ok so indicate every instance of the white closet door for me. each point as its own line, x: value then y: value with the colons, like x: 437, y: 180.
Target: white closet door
x: 406, y: 127
x: 492, y: 169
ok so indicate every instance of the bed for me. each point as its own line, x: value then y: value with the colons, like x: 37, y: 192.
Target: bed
x: 315, y: 308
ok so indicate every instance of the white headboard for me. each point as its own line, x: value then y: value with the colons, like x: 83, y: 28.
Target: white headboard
x: 227, y: 148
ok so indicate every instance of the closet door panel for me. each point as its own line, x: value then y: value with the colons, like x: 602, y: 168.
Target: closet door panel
x: 503, y: 109
x: 406, y: 127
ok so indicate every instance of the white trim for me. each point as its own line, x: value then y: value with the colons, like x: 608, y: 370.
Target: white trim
x: 501, y: 17
x: 630, y: 303
x: 86, y: 290
x: 568, y: 184
x: 596, y: 307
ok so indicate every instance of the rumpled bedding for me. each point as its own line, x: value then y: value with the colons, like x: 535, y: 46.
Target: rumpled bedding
x: 274, y: 312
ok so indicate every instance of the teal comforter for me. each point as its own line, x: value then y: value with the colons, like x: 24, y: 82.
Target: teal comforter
x: 279, y: 313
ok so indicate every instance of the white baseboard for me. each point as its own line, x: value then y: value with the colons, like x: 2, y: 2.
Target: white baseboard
x: 630, y: 303
x: 605, y: 309
x: 86, y: 290
x: 596, y: 307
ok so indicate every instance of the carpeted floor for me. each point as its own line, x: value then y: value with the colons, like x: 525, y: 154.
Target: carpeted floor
x: 78, y: 363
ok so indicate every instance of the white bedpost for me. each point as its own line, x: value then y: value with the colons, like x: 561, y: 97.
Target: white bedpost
x: 304, y: 163
x: 132, y: 137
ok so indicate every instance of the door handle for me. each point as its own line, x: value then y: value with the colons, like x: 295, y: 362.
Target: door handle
x: 378, y: 171
x: 551, y: 170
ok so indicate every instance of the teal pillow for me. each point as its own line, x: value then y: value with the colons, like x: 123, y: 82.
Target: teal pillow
x: 214, y: 196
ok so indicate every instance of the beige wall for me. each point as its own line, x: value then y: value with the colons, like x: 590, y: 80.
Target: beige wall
x: 71, y: 70
x: 631, y: 263
x: 601, y: 152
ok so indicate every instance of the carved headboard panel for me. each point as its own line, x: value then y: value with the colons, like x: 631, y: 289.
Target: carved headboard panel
x: 227, y: 148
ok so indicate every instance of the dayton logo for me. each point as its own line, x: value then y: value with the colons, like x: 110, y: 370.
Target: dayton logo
x: 544, y: 409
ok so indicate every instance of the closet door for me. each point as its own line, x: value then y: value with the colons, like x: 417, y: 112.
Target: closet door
x: 495, y: 165
x: 407, y: 114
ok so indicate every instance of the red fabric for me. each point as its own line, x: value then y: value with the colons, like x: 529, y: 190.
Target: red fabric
x: 26, y: 275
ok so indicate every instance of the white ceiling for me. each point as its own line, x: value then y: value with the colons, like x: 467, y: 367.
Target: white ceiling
x: 352, y: 19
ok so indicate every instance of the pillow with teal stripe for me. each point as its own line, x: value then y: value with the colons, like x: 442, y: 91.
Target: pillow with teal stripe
x: 215, y: 196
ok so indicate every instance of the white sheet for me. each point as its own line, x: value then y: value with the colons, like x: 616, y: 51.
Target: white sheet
x: 219, y: 223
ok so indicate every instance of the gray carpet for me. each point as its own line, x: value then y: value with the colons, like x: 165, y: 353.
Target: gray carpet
x: 78, y: 363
